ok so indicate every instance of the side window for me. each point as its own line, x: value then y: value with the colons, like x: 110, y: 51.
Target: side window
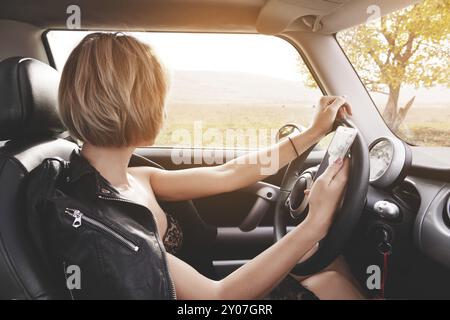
x: 227, y: 90
x: 404, y: 61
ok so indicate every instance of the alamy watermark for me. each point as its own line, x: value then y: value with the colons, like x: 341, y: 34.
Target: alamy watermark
x: 189, y: 146
x: 73, y: 277
x: 73, y: 20
x: 374, y: 12
x: 373, y: 281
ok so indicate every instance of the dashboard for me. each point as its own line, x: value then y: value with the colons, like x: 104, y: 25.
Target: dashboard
x: 408, y: 206
x: 406, y: 215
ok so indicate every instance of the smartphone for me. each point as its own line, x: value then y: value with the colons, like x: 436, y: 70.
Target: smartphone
x: 338, y: 148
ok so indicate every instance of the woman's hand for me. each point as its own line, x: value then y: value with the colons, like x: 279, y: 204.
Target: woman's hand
x: 329, y: 109
x: 326, y: 194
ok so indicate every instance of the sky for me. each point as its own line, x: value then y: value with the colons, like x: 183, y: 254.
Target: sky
x: 256, y: 54
x: 253, y: 54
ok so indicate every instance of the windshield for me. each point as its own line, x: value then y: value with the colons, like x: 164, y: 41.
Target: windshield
x: 227, y: 90
x: 403, y: 60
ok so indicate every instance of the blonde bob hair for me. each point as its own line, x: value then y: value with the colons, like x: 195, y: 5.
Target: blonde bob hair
x: 112, y: 91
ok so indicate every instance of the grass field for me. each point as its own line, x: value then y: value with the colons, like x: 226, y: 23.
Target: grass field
x: 428, y: 126
x: 263, y: 119
x: 424, y: 125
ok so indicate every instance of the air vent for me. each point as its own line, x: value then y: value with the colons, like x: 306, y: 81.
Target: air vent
x: 407, y: 193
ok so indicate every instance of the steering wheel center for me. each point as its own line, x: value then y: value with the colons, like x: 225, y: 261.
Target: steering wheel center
x: 297, y: 202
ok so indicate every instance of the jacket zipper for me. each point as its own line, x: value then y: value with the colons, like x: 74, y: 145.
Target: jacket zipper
x: 172, y: 284
x: 78, y: 217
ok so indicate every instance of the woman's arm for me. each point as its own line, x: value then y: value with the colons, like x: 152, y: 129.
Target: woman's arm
x: 254, y: 279
x: 194, y: 183
x: 257, y: 277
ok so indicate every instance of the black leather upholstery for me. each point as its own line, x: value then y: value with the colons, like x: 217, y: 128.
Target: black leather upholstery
x: 28, y: 99
x: 28, y: 118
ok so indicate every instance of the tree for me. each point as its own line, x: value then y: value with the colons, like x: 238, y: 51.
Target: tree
x: 410, y: 46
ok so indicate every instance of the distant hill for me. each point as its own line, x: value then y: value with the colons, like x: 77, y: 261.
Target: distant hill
x: 237, y: 87
x: 231, y: 87
x: 434, y: 97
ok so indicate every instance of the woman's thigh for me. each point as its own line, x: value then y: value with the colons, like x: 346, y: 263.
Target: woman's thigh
x: 332, y: 285
x: 334, y: 282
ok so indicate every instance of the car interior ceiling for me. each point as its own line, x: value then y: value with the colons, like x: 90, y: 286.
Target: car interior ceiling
x: 208, y: 16
x: 419, y: 235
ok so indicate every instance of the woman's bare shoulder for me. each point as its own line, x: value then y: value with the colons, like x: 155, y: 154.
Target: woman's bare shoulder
x: 143, y: 171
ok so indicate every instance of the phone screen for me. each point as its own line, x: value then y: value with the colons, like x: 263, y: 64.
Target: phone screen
x: 339, y: 146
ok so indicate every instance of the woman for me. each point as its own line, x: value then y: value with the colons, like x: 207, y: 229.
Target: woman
x: 111, y: 98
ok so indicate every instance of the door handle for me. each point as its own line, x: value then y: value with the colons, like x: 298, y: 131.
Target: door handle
x: 266, y: 193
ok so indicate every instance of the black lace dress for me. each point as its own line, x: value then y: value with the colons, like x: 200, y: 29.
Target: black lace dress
x: 288, y: 289
x: 173, y: 238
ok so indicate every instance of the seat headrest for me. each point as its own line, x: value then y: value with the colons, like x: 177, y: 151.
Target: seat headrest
x: 28, y: 99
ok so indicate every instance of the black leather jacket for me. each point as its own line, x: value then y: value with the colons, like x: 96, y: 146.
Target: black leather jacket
x: 77, y: 218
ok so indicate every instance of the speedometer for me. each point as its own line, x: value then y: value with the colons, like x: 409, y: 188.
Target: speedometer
x: 390, y: 158
x: 381, y: 156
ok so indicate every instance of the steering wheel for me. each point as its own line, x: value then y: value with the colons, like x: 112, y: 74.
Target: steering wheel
x: 291, y: 190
